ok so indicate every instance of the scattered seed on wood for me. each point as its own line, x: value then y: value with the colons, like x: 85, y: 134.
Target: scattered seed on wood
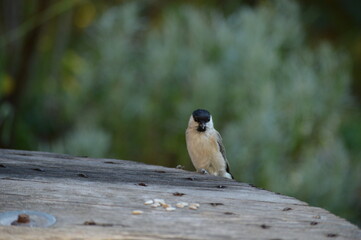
x: 137, y: 212
x: 158, y: 200
x: 178, y: 194
x: 83, y: 175
x: 155, y: 205
x: 216, y: 204
x: 142, y: 184
x: 194, y: 206
x: 317, y: 216
x: 165, y: 205
x: 313, y: 223
x: 38, y: 169
x: 179, y: 167
x: 221, y: 186
x: 148, y: 202
x: 181, y: 205
x: 286, y: 209
x: 191, y: 178
x: 264, y: 226
x: 170, y: 209
x: 331, y: 235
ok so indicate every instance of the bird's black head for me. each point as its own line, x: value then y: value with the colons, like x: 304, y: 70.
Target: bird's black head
x: 202, y: 117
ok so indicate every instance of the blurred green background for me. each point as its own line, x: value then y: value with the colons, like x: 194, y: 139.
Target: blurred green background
x: 119, y: 79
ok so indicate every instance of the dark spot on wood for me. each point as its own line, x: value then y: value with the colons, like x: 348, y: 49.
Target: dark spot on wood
x: 2, y: 166
x: 221, y: 186
x: 264, y: 226
x: 331, y: 235
x: 191, y: 178
x: 110, y: 162
x: 89, y: 223
x: 159, y: 171
x: 83, y: 175
x: 313, y: 223
x: 83, y: 156
x: 142, y: 184
x: 216, y: 204
x: 38, y: 169
x: 287, y: 209
x: 178, y: 194
x: 229, y: 213
x: 277, y: 193
x: 92, y: 223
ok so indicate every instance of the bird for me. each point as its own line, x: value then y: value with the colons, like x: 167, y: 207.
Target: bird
x: 205, y: 147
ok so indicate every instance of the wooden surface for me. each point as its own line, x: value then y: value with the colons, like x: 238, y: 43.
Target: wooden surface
x: 105, y: 191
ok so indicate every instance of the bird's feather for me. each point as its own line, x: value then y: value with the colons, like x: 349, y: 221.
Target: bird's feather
x: 223, y: 151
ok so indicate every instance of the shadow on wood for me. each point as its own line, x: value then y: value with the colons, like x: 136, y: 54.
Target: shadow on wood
x: 95, y: 199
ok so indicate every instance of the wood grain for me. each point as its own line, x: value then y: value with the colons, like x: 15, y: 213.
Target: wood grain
x: 103, y: 193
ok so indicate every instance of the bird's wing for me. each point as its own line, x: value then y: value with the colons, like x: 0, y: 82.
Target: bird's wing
x: 223, y: 151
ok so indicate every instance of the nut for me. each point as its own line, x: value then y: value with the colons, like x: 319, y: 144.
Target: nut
x: 148, y: 202
x: 165, y: 205
x: 194, y: 206
x: 137, y: 212
x: 181, y: 205
x: 155, y: 205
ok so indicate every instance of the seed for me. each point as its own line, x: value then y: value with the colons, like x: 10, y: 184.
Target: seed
x: 148, y: 202
x: 181, y: 205
x: 137, y: 212
x: 194, y: 206
x: 170, y: 209
x: 155, y: 205
x: 160, y: 201
x: 165, y: 205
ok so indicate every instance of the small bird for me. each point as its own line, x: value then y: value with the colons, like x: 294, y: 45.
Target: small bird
x: 205, y: 145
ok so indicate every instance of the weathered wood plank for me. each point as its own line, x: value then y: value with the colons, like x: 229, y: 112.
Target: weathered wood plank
x: 106, y: 191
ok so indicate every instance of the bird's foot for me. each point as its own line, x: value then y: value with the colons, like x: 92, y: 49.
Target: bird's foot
x: 179, y: 167
x: 203, y: 171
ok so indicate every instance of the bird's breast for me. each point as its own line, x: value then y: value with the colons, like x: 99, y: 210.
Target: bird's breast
x: 202, y: 148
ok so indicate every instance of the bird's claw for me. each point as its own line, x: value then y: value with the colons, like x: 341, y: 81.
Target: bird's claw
x: 203, y: 171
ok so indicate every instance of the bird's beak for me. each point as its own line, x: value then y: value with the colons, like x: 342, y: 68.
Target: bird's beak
x: 202, y: 126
